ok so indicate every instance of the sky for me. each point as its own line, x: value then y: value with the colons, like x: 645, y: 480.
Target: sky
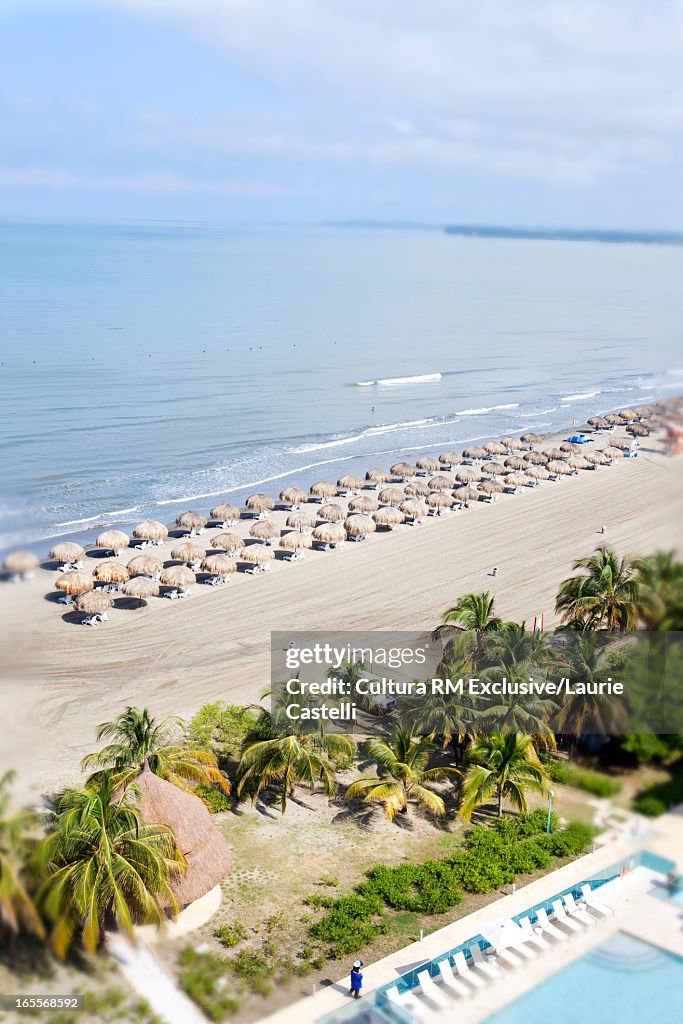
x: 518, y: 112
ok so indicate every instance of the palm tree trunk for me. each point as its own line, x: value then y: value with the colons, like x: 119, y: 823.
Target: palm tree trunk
x: 500, y: 802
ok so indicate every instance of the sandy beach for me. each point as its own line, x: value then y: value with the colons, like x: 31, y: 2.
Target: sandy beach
x: 61, y: 680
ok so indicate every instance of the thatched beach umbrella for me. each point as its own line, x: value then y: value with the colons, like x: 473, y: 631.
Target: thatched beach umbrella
x: 465, y: 494
x: 416, y: 489
x: 597, y: 421
x: 440, y: 499
x: 515, y: 462
x: 428, y: 463
x: 228, y: 542
x: 491, y: 487
x: 329, y: 533
x: 225, y: 513
x: 259, y: 503
x: 359, y: 526
x: 512, y: 444
x: 377, y: 476
x: 323, y: 489
x: 20, y: 563
x: 331, y: 513
x: 595, y: 458
x: 293, y: 496
x: 516, y: 480
x: 67, y: 551
x: 403, y: 470
x: 622, y: 444
x: 151, y: 529
x: 178, y: 576
x: 629, y: 414
x: 75, y: 582
x: 113, y: 540
x: 550, y: 453
x: 391, y: 496
x: 264, y: 530
x: 441, y: 482
x: 613, y: 452
x: 577, y: 462
x: 475, y: 451
x: 145, y: 565
x: 301, y: 520
x: 141, y: 587
x: 364, y: 504
x: 531, y: 438
x: 637, y: 430
x: 538, y: 473
x: 187, y: 553
x: 296, y: 541
x: 388, y: 517
x: 570, y: 447
x: 207, y: 857
x: 466, y: 475
x: 414, y: 508
x: 536, y: 458
x: 558, y: 468
x: 495, y: 448
x: 110, y: 571
x: 493, y: 469
x: 218, y: 565
x: 93, y: 602
x: 257, y: 554
x: 613, y: 418
x: 349, y: 482
x: 191, y: 521
x: 450, y: 458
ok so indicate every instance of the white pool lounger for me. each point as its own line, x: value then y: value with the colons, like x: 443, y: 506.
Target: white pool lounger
x: 467, y: 973
x: 492, y: 970
x: 548, y: 928
x: 531, y: 936
x: 581, y: 915
x: 453, y: 984
x: 407, y: 1002
x: 563, y: 918
x: 600, y: 908
x: 431, y: 991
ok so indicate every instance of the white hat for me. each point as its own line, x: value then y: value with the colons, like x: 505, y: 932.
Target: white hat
x: 357, y: 963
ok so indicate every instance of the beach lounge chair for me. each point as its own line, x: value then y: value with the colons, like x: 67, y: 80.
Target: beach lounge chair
x: 452, y: 983
x: 578, y: 912
x: 430, y: 991
x: 509, y: 957
x: 532, y: 937
x: 255, y: 569
x: 488, y: 967
x: 589, y: 899
x: 563, y: 918
x: 548, y: 928
x: 66, y: 599
x: 406, y: 1002
x: 466, y: 972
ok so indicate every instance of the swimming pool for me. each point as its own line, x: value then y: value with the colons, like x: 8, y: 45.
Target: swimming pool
x: 624, y: 981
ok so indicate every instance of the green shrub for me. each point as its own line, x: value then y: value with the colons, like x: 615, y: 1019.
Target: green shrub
x: 215, y: 799
x: 231, y: 934
x: 331, y: 880
x: 594, y: 782
x: 220, y: 727
x: 255, y: 968
x: 657, y: 798
x: 528, y: 857
x: 200, y: 978
x: 431, y: 887
x: 571, y: 842
x: 351, y: 922
x: 649, y: 805
x: 557, y: 768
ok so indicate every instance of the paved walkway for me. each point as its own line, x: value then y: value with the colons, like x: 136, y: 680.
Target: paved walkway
x: 147, y: 978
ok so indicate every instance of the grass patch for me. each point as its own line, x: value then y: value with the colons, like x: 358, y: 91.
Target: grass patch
x: 595, y: 783
x: 659, y: 797
x: 203, y: 979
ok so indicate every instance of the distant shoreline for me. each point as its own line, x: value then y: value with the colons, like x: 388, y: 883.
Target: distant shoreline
x: 566, y: 235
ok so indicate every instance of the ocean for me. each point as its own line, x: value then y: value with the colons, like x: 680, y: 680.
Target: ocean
x: 148, y: 368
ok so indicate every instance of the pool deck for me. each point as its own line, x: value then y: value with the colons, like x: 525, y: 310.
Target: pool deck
x: 636, y: 911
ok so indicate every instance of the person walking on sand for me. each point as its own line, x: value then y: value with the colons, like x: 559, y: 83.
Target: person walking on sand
x: 356, y: 979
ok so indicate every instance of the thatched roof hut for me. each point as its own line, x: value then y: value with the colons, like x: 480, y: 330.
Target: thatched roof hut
x: 257, y: 554
x: 145, y: 565
x: 141, y: 587
x: 515, y: 462
x: 428, y: 463
x: 75, y: 582
x: 228, y: 542
x: 178, y: 576
x: 450, y: 458
x: 377, y: 476
x: 110, y: 571
x: 187, y: 552
x: 296, y: 541
x: 416, y: 489
x: 359, y: 526
x: 225, y: 513
x: 440, y: 482
x: 495, y: 448
x: 363, y: 504
x: 206, y: 852
x: 465, y: 494
x: 331, y: 512
x: 67, y: 551
x: 113, y: 540
x: 218, y: 565
x: 20, y: 562
x: 93, y: 602
x: 414, y: 508
x: 301, y: 520
x: 391, y: 495
x: 151, y: 529
x: 259, y: 503
x: 264, y: 530
x: 323, y: 489
x: 388, y: 516
x: 403, y: 470
x: 349, y: 482
x: 329, y: 533
x: 475, y: 451
x: 293, y: 496
x: 531, y: 438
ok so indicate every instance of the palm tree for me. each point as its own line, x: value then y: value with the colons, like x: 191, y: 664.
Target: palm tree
x: 272, y: 756
x: 660, y: 597
x: 604, y: 596
x: 450, y: 717
x: 588, y: 659
x: 472, y: 614
x: 504, y: 766
x: 104, y: 865
x: 349, y: 674
x: 137, y: 739
x: 16, y: 906
x: 404, y: 776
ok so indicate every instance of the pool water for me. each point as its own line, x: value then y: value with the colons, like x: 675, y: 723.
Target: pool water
x: 622, y: 981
